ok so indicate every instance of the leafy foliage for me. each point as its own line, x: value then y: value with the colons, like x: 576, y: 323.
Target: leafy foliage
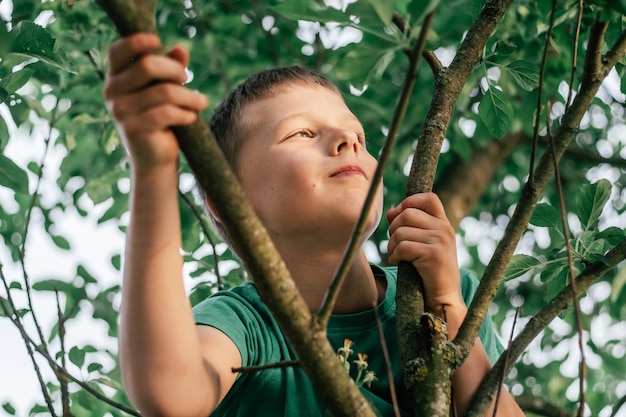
x: 52, y: 66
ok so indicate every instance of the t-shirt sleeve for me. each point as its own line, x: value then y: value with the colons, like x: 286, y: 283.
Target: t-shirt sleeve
x: 487, y: 333
x: 232, y: 314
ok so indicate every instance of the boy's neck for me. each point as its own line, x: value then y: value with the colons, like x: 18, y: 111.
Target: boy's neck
x: 313, y: 271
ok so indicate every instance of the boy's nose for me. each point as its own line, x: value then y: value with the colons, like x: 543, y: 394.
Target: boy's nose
x: 344, y: 140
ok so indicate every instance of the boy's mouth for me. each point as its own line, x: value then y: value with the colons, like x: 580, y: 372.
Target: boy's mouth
x: 349, y: 170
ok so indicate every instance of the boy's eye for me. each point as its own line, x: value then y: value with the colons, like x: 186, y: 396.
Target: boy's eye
x: 303, y: 134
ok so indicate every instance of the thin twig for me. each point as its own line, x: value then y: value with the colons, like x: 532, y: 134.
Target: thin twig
x: 542, y: 71
x: 574, y: 54
x: 383, y: 344
x: 15, y: 319
x: 31, y: 207
x: 65, y: 398
x: 207, y: 234
x: 570, y: 262
x: 506, y: 362
x: 411, y: 76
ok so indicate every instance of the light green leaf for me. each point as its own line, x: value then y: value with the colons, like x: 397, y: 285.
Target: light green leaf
x: 14, y: 81
x: 495, y: 111
x: 545, y: 216
x: 384, y: 10
x: 53, y: 285
x: 519, y: 265
x: 590, y: 201
x: 310, y: 11
x: 61, y: 242
x: 618, y: 284
x: 525, y: 73
x: 12, y: 176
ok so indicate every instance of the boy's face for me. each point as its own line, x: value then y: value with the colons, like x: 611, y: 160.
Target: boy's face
x: 304, y: 166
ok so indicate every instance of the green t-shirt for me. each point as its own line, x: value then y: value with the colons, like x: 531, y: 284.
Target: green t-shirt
x: 247, y: 321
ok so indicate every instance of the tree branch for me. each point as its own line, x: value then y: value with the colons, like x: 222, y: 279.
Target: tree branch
x: 541, y: 407
x: 592, y: 78
x: 540, y: 321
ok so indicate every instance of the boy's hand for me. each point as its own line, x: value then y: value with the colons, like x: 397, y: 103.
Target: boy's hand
x: 420, y: 233
x: 145, y: 94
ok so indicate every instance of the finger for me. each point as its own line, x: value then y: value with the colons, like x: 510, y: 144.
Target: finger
x: 180, y: 54
x: 415, y: 219
x: 134, y: 105
x: 146, y: 70
x: 428, y: 202
x: 158, y: 119
x: 122, y: 53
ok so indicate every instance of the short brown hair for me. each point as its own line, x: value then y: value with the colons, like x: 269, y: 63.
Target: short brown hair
x: 228, y: 123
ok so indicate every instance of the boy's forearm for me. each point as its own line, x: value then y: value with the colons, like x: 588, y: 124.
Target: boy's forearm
x: 159, y: 346
x: 470, y: 374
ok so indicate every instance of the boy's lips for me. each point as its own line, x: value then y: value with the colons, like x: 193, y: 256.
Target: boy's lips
x: 348, y: 170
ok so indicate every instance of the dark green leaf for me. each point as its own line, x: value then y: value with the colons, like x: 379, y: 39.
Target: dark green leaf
x: 34, y: 41
x: 519, y: 265
x: 94, y: 367
x: 362, y: 66
x: 9, y: 408
x: 116, y: 261
x: 12, y: 176
x: 525, y: 73
x: 309, y: 10
x: 590, y: 201
x: 495, y: 111
x: 613, y: 235
x: 418, y: 9
x: 53, y: 285
x: 82, y: 272
x: 77, y: 356
x: 14, y: 81
x: 545, y: 216
x: 15, y: 285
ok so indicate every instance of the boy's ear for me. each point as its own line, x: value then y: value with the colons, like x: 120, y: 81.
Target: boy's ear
x: 209, y: 204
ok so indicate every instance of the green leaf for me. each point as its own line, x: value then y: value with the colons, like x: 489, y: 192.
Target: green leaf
x: 61, y: 242
x: 53, y: 285
x: 613, y: 235
x: 116, y: 261
x: 495, y: 111
x: 12, y: 176
x: 418, y: 9
x: 33, y: 41
x: 15, y: 286
x: 9, y: 408
x: 590, y: 201
x: 310, y: 11
x: 384, y: 9
x: 94, y: 367
x: 525, y: 73
x: 362, y: 66
x: 545, y: 216
x: 85, y: 275
x: 14, y: 81
x: 77, y: 356
x: 618, y: 284
x: 519, y: 265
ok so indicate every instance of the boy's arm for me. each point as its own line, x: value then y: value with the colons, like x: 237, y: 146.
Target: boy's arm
x: 169, y: 365
x: 421, y: 234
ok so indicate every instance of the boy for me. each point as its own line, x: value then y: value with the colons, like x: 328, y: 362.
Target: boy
x: 300, y: 156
